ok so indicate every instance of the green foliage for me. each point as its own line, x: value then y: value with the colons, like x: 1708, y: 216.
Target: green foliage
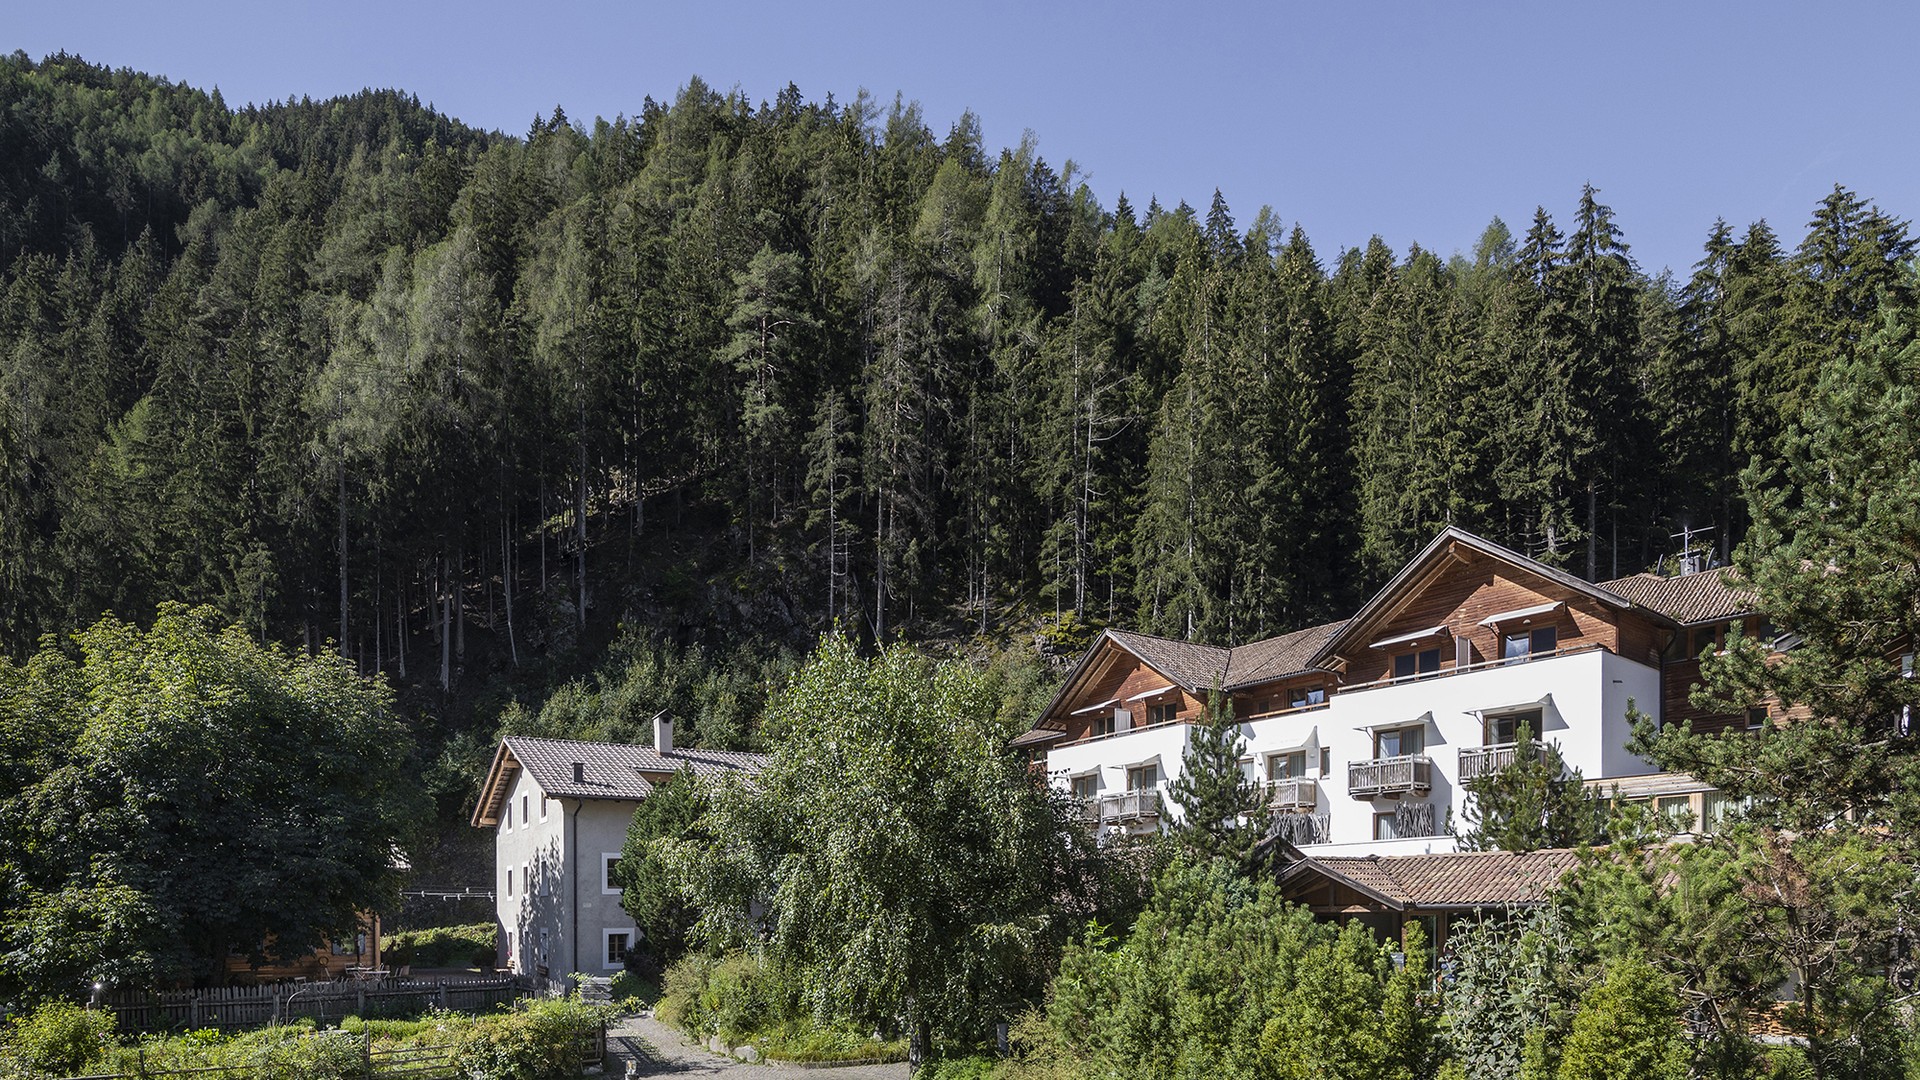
x: 1534, y: 802
x: 1510, y: 993
x: 1221, y: 978
x: 744, y: 998
x: 917, y: 871
x: 1219, y: 803
x: 539, y: 1040
x: 651, y: 891
x: 280, y: 778
x: 473, y: 945
x: 1627, y: 1025
x: 56, y: 1039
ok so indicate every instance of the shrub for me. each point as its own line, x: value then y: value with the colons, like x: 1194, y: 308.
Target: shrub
x: 736, y: 997
x: 538, y: 1041
x: 1629, y: 1025
x: 57, y: 1039
x: 472, y: 945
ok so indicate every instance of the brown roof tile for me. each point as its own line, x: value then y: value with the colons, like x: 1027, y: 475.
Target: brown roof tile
x: 1463, y: 879
x: 1688, y: 598
x: 1277, y: 657
x: 1192, y: 665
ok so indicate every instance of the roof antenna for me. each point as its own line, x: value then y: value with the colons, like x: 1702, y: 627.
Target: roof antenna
x: 1690, y: 563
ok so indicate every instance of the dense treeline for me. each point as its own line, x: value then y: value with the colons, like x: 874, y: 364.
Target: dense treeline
x: 352, y: 371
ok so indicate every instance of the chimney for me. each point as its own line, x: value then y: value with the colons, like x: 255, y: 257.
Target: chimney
x: 579, y: 772
x: 662, y: 732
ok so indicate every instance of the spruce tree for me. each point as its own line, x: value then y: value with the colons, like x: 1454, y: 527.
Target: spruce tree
x: 1218, y: 802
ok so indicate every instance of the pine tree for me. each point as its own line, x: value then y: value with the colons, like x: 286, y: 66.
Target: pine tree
x: 1534, y: 802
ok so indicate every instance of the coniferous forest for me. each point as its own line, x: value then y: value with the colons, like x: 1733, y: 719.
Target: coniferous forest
x: 460, y: 404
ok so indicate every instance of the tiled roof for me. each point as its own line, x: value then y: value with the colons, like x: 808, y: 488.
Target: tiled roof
x: 1688, y: 598
x: 616, y: 770
x: 1035, y: 737
x: 1277, y: 657
x: 1463, y: 879
x: 1188, y: 663
x: 1198, y: 667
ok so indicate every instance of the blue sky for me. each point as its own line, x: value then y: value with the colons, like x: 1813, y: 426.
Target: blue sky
x: 1419, y: 122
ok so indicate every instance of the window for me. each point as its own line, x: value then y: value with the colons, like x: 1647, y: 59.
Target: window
x: 1087, y: 786
x: 509, y: 881
x: 1291, y: 766
x: 1719, y: 811
x: 1399, y: 742
x: 1424, y: 662
x: 1162, y: 713
x: 616, y: 950
x: 524, y: 817
x: 543, y: 806
x: 526, y: 879
x: 509, y: 943
x: 609, y: 865
x: 1505, y: 727
x: 1302, y: 696
x: 506, y: 823
x: 1386, y: 826
x: 1675, y: 810
x: 542, y: 956
x: 1142, y: 777
x: 1703, y: 640
x: 1326, y: 761
x: 1756, y: 717
x: 1517, y: 646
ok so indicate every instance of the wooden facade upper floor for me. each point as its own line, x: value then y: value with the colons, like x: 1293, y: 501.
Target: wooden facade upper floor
x: 1462, y: 604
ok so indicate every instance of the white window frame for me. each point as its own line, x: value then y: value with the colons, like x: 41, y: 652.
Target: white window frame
x: 607, y: 887
x: 506, y: 819
x: 606, y: 942
x: 526, y: 816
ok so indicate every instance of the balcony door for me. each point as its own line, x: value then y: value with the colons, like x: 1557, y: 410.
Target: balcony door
x: 1505, y: 727
x: 1400, y: 742
x: 1291, y: 766
x: 1143, y: 777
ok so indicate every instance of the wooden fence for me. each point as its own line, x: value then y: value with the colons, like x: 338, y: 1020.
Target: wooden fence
x: 233, y: 1007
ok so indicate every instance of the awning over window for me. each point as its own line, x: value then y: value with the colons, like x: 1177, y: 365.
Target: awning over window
x: 1107, y: 704
x: 1390, y: 725
x: 1145, y: 694
x: 1521, y: 613
x: 1544, y: 701
x: 1431, y: 631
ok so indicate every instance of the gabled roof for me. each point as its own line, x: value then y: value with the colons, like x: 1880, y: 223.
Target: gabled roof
x: 1197, y: 668
x: 1688, y: 598
x: 608, y: 770
x: 1437, y: 549
x: 1188, y: 664
x: 1277, y: 657
x: 1455, y: 880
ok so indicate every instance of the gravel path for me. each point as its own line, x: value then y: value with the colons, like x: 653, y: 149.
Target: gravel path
x: 650, y: 1048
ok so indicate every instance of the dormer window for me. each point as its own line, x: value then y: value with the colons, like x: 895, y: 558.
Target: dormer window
x: 1162, y: 712
x: 1421, y: 662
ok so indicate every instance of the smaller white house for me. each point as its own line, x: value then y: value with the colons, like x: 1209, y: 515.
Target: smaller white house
x: 560, y: 810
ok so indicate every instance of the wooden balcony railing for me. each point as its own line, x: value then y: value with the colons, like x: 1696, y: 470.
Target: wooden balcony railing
x: 1408, y: 774
x: 1479, y: 761
x: 1086, y: 809
x: 1292, y: 794
x: 1125, y: 806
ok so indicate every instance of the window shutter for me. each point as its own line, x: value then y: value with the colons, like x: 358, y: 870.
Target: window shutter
x: 1462, y: 651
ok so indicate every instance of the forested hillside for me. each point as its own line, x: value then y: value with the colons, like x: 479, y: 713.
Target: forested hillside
x: 463, y: 403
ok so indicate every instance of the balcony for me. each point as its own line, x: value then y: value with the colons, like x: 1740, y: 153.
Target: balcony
x: 1130, y: 806
x: 1482, y: 761
x: 1291, y: 795
x: 1086, y: 809
x: 1408, y: 774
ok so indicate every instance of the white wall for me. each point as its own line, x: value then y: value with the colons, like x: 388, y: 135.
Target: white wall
x: 553, y: 880
x: 1583, y: 698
